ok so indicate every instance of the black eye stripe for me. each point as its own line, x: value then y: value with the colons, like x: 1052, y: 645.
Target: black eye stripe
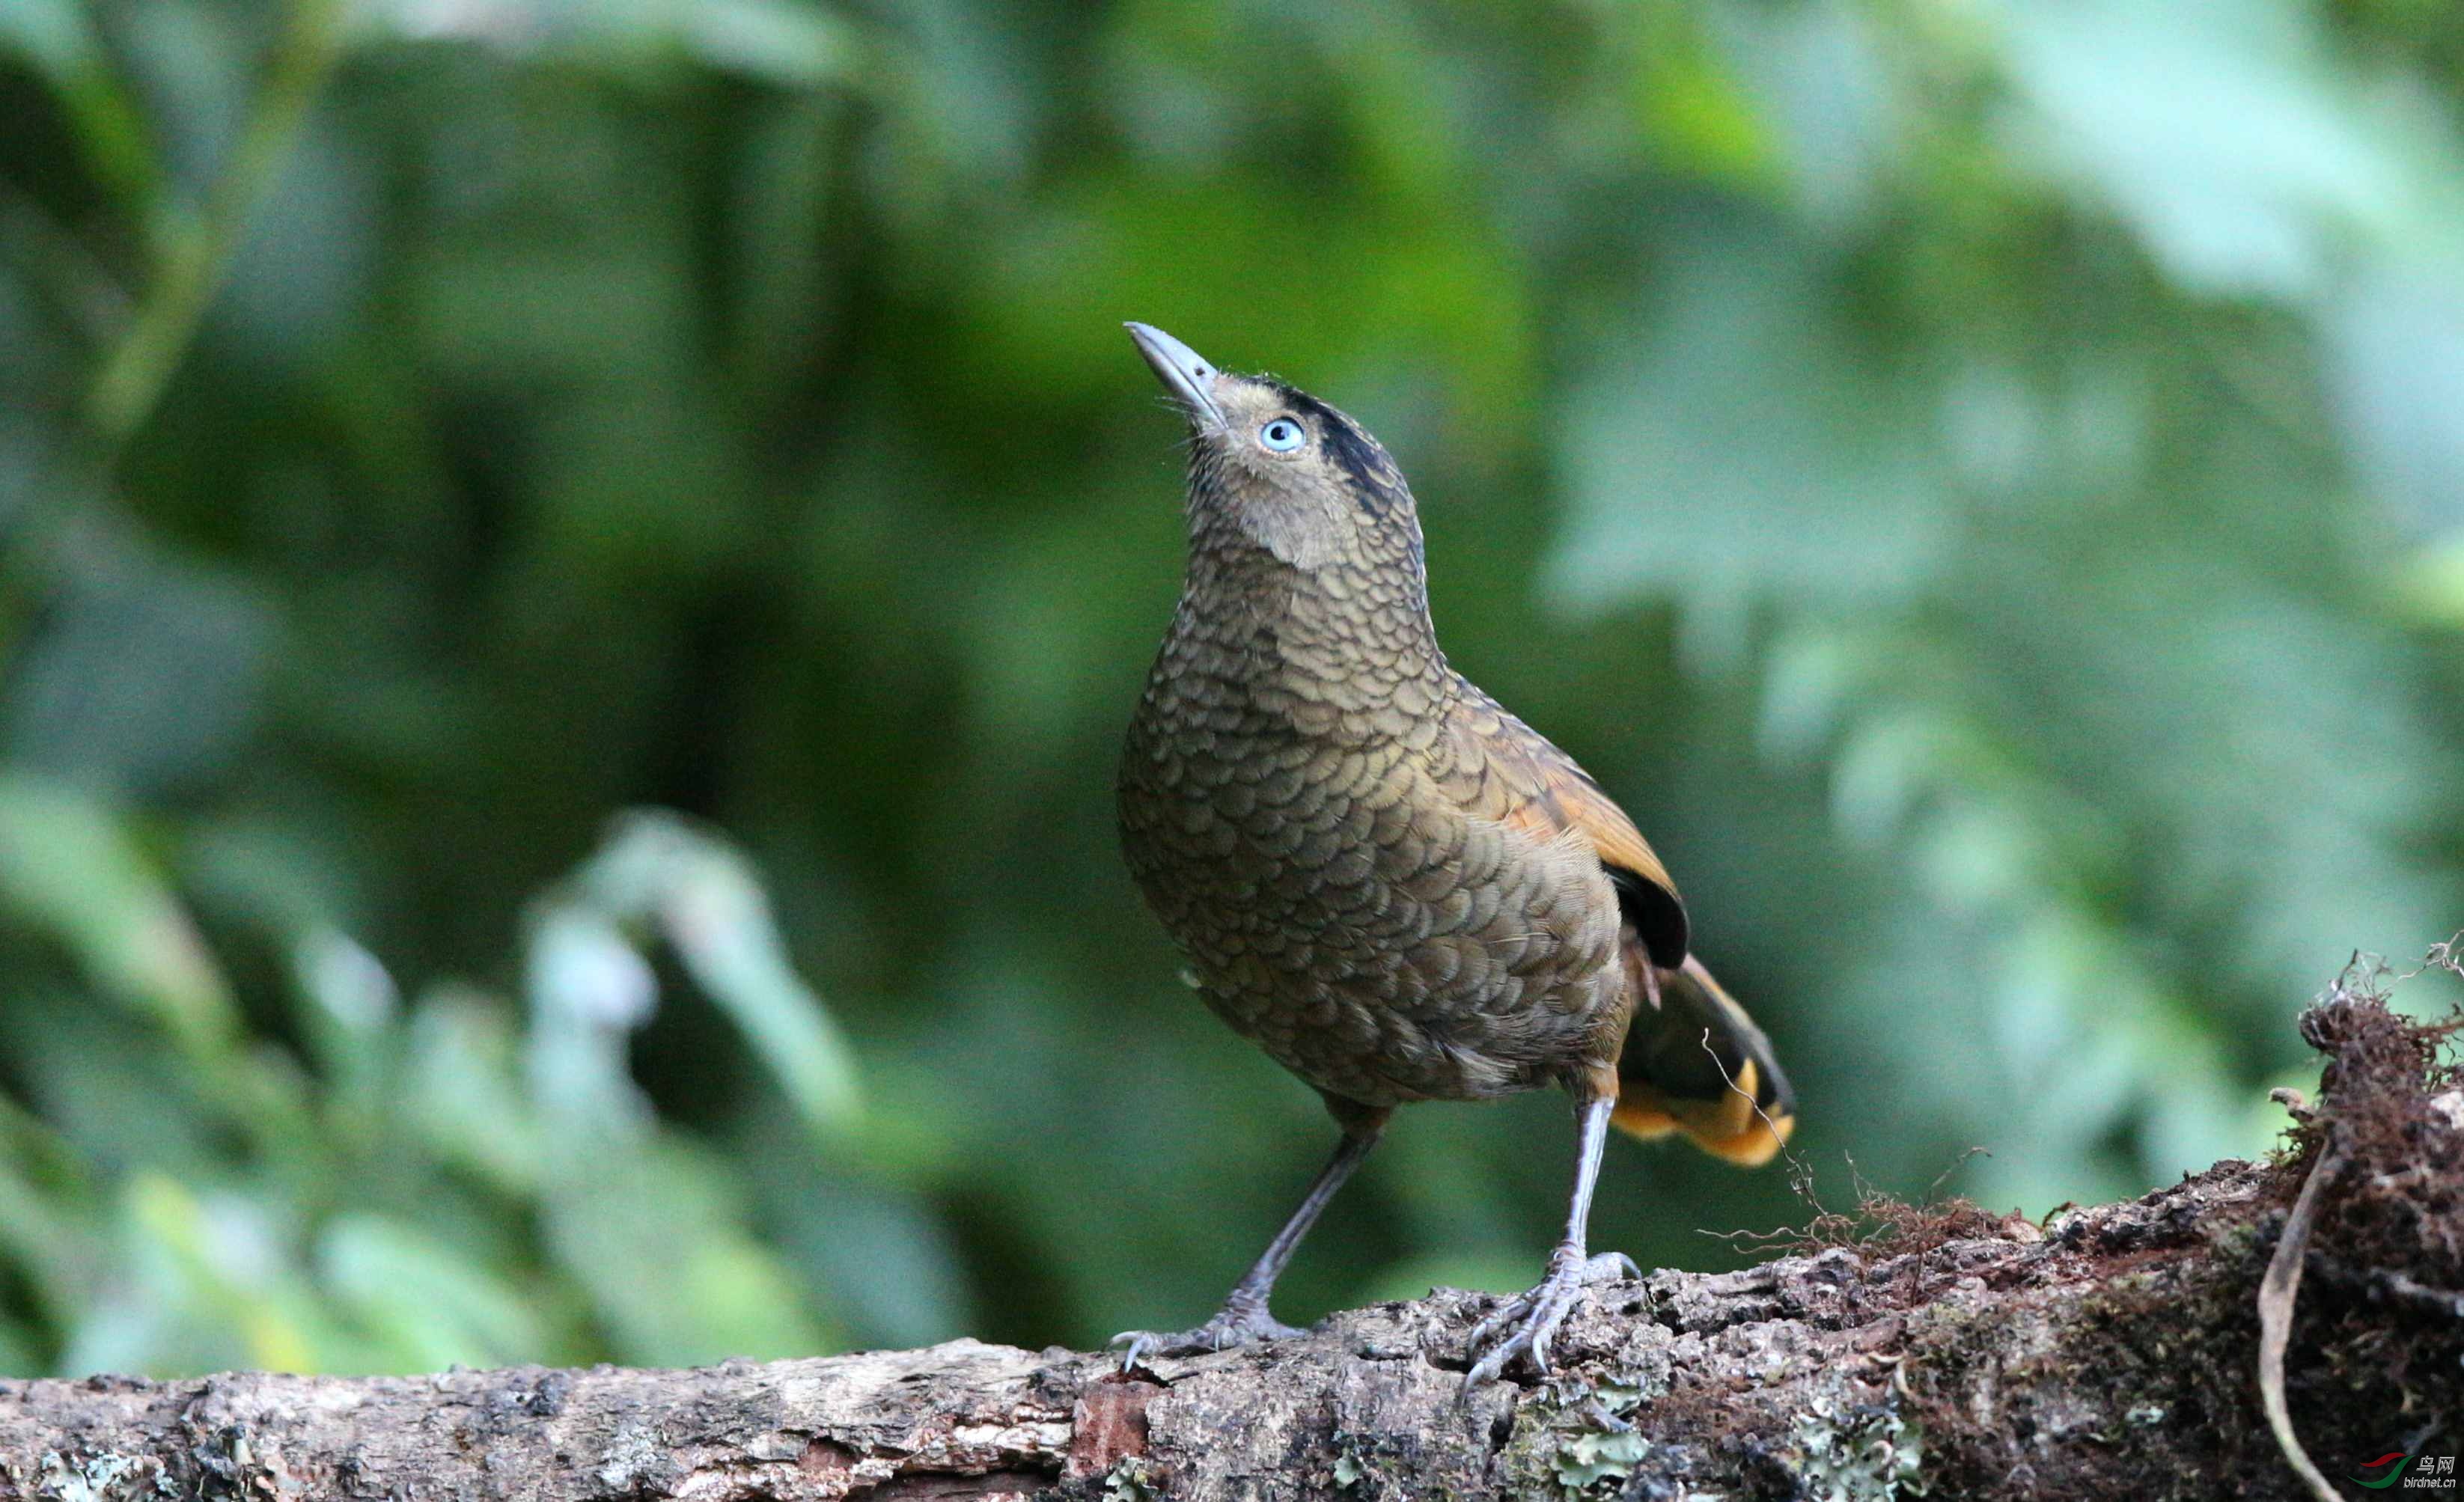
x: 1373, y: 475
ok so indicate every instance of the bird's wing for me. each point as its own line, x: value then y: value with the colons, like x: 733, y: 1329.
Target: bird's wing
x: 1505, y: 770
x: 1694, y: 1062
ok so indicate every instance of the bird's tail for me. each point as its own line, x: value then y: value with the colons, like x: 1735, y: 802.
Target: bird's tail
x: 1700, y: 1065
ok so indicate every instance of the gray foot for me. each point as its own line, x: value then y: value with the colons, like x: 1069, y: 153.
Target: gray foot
x: 1530, y: 1320
x: 1234, y: 1325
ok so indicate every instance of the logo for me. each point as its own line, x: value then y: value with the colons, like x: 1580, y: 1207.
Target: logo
x: 2426, y: 1472
x: 2384, y: 1478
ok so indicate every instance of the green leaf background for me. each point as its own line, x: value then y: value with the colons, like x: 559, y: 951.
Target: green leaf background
x: 571, y: 574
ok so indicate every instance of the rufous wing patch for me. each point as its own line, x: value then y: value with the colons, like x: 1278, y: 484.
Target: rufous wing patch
x: 1525, y: 781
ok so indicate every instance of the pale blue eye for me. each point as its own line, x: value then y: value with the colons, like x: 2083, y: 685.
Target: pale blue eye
x: 1283, y: 435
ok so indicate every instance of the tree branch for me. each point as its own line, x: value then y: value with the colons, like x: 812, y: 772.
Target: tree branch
x: 2110, y: 1353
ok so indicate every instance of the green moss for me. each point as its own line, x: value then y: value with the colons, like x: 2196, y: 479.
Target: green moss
x: 105, y: 1477
x: 1130, y: 1481
x: 1598, y: 1462
x: 1857, y: 1453
x: 1580, y: 1444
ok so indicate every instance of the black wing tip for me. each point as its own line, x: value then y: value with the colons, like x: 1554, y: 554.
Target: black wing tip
x: 1658, y: 916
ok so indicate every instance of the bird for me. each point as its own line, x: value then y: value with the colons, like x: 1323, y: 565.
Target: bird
x: 1397, y: 889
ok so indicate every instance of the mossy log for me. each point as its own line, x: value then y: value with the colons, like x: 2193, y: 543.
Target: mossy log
x: 2109, y: 1352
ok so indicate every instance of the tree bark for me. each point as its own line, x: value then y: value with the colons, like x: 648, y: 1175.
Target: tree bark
x: 2109, y: 1353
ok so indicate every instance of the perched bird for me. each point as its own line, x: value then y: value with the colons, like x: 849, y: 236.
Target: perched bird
x: 1395, y: 887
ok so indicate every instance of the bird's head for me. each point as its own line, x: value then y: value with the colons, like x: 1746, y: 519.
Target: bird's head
x: 1281, y: 469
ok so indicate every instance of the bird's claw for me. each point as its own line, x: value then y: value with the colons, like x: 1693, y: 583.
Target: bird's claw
x: 1533, y: 1317
x: 1232, y: 1326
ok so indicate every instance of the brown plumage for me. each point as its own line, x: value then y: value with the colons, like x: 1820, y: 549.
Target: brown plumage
x: 1395, y: 887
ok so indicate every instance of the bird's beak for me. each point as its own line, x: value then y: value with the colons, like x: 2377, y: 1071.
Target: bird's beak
x: 1182, y: 371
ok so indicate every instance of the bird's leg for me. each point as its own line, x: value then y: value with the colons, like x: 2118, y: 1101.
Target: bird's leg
x: 1243, y: 1316
x: 1530, y: 1320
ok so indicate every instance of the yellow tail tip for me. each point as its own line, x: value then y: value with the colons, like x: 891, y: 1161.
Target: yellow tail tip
x: 1712, y: 1129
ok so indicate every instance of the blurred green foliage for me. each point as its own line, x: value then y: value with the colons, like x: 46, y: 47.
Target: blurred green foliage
x: 1982, y: 480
